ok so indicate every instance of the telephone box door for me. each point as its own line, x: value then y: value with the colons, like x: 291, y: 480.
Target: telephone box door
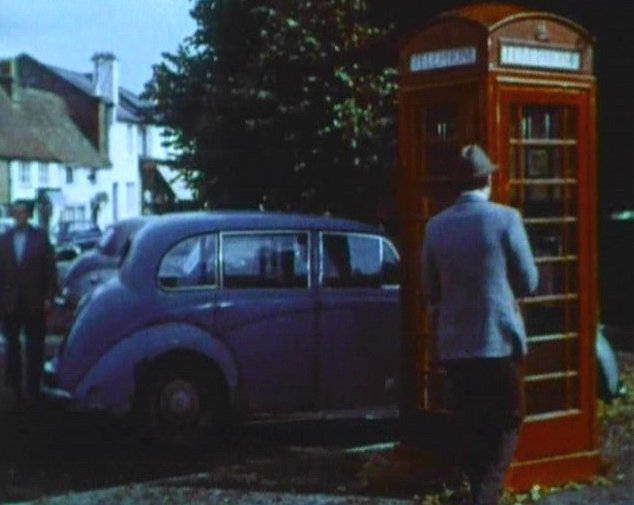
x: 544, y: 149
x: 442, y: 118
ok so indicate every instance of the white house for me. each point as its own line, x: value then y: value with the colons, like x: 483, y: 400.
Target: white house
x: 115, y: 124
x: 44, y: 157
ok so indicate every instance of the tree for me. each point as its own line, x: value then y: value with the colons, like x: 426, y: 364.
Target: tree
x: 286, y: 104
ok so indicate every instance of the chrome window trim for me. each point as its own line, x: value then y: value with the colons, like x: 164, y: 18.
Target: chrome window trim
x: 386, y: 241
x: 267, y: 231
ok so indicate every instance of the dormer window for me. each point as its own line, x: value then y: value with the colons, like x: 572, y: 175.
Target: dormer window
x: 42, y: 173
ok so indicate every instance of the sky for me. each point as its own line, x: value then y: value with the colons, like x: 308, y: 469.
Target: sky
x: 67, y: 33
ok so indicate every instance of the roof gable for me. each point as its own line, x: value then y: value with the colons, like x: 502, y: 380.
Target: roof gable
x: 36, y: 126
x: 130, y: 108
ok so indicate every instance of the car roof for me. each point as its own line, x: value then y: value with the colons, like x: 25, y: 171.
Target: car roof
x: 73, y: 221
x: 131, y: 223
x: 252, y: 220
x: 152, y: 240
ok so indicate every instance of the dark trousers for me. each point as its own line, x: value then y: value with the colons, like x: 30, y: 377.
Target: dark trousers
x: 488, y: 404
x: 34, y: 326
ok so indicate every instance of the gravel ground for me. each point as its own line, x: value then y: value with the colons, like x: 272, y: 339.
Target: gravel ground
x: 50, y: 455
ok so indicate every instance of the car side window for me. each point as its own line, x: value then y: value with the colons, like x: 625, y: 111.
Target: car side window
x: 390, y: 265
x: 265, y: 260
x: 357, y: 261
x: 190, y: 264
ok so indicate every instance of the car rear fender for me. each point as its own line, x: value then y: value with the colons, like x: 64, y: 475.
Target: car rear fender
x: 110, y: 385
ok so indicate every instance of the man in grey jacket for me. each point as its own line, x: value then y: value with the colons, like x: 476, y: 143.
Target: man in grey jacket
x: 476, y: 262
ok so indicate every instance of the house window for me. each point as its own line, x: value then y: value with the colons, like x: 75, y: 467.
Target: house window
x: 70, y: 176
x: 92, y: 176
x: 148, y: 142
x: 142, y: 141
x: 130, y: 138
x: 42, y: 174
x: 115, y: 201
x: 131, y: 200
x: 74, y: 213
x: 24, y: 173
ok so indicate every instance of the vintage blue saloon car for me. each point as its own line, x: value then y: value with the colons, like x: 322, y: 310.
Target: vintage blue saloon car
x: 218, y: 313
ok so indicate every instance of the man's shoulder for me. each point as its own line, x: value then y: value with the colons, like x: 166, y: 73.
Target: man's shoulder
x: 500, y: 210
x: 37, y: 234
x: 436, y: 219
x: 501, y: 207
x: 492, y: 210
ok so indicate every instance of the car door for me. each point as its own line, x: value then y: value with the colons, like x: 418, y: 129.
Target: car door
x: 358, y: 321
x: 266, y: 314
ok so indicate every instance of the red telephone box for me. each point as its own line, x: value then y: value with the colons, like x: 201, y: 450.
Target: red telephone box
x: 520, y: 83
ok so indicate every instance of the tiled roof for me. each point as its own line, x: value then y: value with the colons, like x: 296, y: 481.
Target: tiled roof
x: 81, y: 81
x: 37, y: 127
x: 134, y: 100
x: 130, y: 108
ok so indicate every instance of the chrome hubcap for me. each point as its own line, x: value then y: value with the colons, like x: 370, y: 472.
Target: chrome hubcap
x: 179, y: 402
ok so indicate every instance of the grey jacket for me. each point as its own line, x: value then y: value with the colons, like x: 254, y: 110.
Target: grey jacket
x: 476, y: 260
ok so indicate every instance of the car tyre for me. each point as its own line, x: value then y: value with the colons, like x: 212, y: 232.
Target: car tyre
x: 182, y: 406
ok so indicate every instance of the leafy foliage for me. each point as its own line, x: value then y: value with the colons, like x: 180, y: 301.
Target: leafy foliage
x: 282, y: 104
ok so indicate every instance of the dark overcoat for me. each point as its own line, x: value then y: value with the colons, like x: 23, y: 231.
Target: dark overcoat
x: 34, y: 279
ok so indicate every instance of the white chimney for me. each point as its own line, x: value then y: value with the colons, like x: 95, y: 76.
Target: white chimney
x: 9, y: 79
x: 106, y: 77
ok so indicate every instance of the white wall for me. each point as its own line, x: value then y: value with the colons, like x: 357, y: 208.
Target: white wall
x: 77, y: 192
x: 154, y: 142
x: 128, y: 143
x: 124, y: 176
x: 126, y: 147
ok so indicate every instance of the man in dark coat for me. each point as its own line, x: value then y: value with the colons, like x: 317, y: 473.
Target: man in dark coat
x: 28, y: 284
x: 476, y: 262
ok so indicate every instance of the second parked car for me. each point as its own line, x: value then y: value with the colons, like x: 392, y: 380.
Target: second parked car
x: 260, y: 314
x: 91, y: 268
x: 83, y: 234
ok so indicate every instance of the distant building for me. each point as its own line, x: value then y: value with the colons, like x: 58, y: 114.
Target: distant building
x: 134, y: 177
x: 44, y: 156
